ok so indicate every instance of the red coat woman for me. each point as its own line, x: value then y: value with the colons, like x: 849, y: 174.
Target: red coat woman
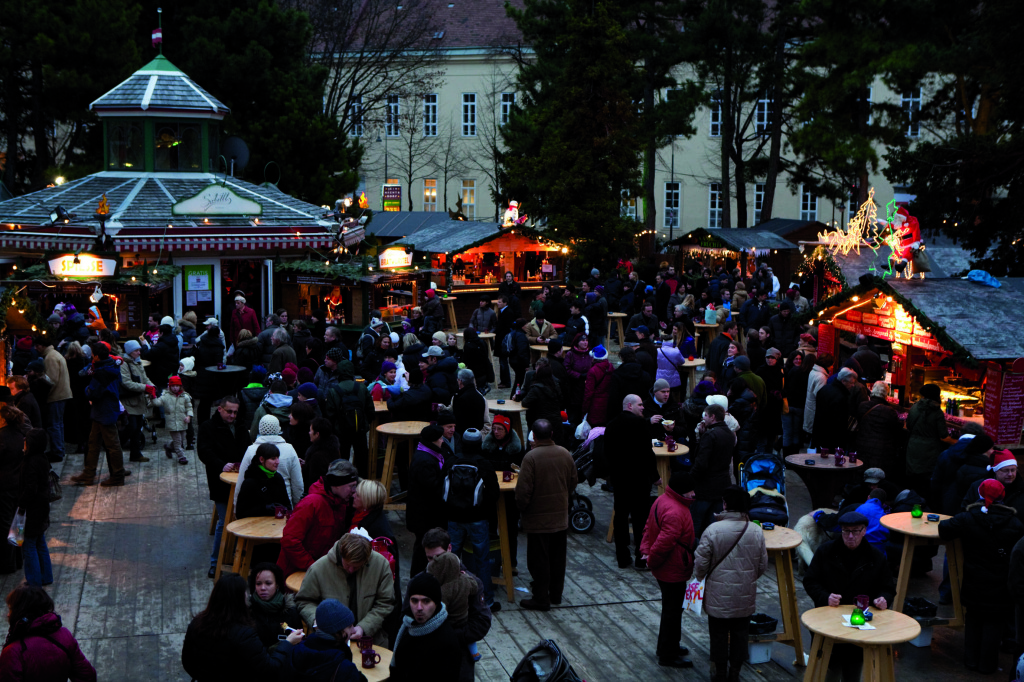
x: 318, y: 521
x: 597, y: 388
x: 242, y: 317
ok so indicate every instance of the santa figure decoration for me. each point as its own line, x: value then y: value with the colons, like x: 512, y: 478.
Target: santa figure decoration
x: 908, y: 231
x: 512, y: 217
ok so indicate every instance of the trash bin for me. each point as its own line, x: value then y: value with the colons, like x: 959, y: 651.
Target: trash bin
x: 761, y: 624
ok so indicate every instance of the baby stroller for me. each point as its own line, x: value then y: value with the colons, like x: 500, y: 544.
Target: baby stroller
x: 763, y: 475
x: 581, y: 511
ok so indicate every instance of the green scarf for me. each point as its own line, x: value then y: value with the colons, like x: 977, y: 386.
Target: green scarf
x: 265, y: 470
x: 275, y: 605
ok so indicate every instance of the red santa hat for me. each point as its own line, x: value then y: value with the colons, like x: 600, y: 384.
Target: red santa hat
x: 1002, y: 459
x: 991, y: 491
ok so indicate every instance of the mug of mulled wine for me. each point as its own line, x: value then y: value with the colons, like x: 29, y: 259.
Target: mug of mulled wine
x: 365, y: 643
x: 506, y: 476
x: 863, y: 601
x: 370, y: 658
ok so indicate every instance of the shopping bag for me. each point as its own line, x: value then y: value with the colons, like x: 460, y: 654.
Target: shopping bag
x: 693, y: 601
x: 583, y: 430
x: 16, y: 535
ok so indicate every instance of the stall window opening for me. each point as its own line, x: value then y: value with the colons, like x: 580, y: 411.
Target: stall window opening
x: 469, y: 199
x: 125, y: 148
x: 430, y: 195
x: 357, y: 116
x: 178, y: 147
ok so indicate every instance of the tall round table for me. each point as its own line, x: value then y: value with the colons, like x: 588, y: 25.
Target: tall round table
x: 252, y: 531
x: 538, y: 350
x: 378, y: 673
x: 380, y: 415
x: 709, y: 330
x: 486, y: 337
x: 924, y: 532
x: 822, y: 476
x: 294, y: 581
x: 449, y: 304
x: 506, y: 578
x: 691, y: 373
x: 826, y: 624
x: 512, y: 410
x: 231, y: 478
x: 397, y: 432
x: 229, y: 380
x: 779, y: 542
x: 616, y: 318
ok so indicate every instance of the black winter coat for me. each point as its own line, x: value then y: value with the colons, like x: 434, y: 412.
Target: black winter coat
x: 27, y: 403
x: 216, y: 446
x: 880, y: 435
x: 239, y: 655
x: 488, y: 507
x: 631, y: 462
x: 248, y: 353
x: 469, y: 407
x: 268, y: 624
x: 1014, y: 497
x: 441, y: 380
x: 259, y: 494
x: 974, y: 469
x: 441, y: 648
x: 711, y: 463
x: 745, y: 412
x: 848, y: 573
x: 543, y: 402
x: 474, y: 355
x: 943, y: 490
x: 318, y: 458
x: 163, y: 356
x: 832, y: 417
x: 785, y: 331
x: 35, y: 494
x: 629, y: 378
x: 520, y: 355
x: 988, y: 539
x: 426, y: 507
x: 412, y: 405
x: 716, y: 354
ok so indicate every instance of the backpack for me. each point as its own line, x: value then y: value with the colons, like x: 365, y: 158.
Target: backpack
x: 352, y: 405
x: 508, y: 344
x: 463, y: 487
x: 382, y: 546
x: 544, y: 662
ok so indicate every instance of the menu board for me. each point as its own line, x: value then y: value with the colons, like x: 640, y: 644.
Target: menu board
x: 890, y: 323
x: 1004, y: 405
x: 826, y: 338
x: 391, y: 197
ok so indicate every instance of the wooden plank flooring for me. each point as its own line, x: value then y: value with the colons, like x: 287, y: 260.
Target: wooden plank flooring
x: 130, y: 572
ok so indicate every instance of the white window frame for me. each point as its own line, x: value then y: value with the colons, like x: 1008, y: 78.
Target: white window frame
x: 715, y: 117
x: 469, y: 114
x: 508, y: 100
x: 430, y: 115
x: 392, y: 120
x: 912, y: 108
x: 808, y: 204
x: 469, y: 198
x: 714, y: 204
x: 430, y: 195
x: 759, y: 189
x: 627, y: 208
x: 357, y: 116
x: 672, y: 197
x: 763, y: 117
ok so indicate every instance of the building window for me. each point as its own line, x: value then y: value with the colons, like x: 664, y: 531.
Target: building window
x: 715, y: 205
x: 394, y: 110
x: 508, y: 100
x: 469, y: 199
x: 808, y: 205
x: 763, y: 117
x: 671, y: 205
x: 867, y: 102
x: 125, y: 146
x: 430, y: 195
x: 628, y: 208
x: 469, y: 114
x: 357, y: 116
x: 715, y: 129
x: 912, y: 110
x: 429, y: 115
x: 758, y: 201
x: 178, y: 147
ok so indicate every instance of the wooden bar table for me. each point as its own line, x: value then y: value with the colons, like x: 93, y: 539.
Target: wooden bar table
x: 378, y: 673
x: 294, y: 581
x: 691, y: 374
x: 664, y: 461
x: 506, y: 578
x: 380, y: 415
x: 826, y: 624
x: 924, y: 532
x: 538, y: 350
x: 252, y: 531
x: 449, y: 304
x: 486, y: 337
x: 231, y: 478
x: 780, y: 542
x: 822, y: 476
x: 512, y: 410
x: 397, y: 432
x: 709, y: 330
x: 617, y: 318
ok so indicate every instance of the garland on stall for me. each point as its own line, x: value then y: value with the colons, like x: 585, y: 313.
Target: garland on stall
x: 820, y: 261
x: 868, y: 283
x: 139, y: 275
x: 17, y: 297
x: 321, y: 268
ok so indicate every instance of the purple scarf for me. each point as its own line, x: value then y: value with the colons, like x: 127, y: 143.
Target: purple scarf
x: 433, y: 453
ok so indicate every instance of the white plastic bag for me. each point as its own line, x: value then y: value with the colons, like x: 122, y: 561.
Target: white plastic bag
x: 583, y: 430
x: 694, y: 599
x: 16, y: 535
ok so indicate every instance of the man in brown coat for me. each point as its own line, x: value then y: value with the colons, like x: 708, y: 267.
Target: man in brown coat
x: 546, y: 478
x: 57, y: 370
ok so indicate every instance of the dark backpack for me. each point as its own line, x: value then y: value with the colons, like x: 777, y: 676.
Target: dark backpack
x: 463, y: 487
x: 351, y: 407
x: 508, y: 344
x: 544, y: 662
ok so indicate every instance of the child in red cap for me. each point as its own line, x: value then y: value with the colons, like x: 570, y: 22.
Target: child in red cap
x: 177, y: 406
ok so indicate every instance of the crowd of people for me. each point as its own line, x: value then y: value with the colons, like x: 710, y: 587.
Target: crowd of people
x: 297, y: 435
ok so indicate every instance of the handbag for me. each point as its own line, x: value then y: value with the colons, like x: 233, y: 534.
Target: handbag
x: 693, y: 600
x: 55, y: 491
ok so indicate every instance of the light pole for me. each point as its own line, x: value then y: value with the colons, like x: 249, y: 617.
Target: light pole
x: 385, y: 152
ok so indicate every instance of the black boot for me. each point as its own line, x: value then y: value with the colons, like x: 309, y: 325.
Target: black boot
x: 718, y: 671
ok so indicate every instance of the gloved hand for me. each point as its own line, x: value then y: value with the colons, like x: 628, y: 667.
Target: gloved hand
x: 817, y: 515
x: 151, y: 391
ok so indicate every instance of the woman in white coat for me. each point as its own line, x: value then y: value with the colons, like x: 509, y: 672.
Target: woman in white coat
x: 290, y: 468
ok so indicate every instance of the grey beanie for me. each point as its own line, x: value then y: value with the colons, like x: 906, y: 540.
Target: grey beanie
x: 741, y: 363
x: 130, y: 346
x: 660, y: 385
x: 333, y: 617
x: 594, y: 272
x: 472, y: 436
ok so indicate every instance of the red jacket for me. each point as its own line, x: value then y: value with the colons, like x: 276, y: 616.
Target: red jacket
x: 242, y: 320
x: 595, y: 393
x: 45, y: 653
x: 668, y: 538
x: 317, y: 523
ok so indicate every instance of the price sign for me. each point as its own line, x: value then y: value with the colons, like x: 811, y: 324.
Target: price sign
x: 391, y: 197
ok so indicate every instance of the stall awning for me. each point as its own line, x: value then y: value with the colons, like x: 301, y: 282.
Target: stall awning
x: 738, y: 239
x: 457, y: 236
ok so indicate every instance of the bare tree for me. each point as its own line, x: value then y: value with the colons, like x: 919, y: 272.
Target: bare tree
x: 488, y: 145
x: 450, y: 159
x: 373, y: 49
x: 415, y: 148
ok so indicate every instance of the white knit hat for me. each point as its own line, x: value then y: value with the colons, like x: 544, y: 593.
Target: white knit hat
x: 718, y: 400
x: 269, y: 425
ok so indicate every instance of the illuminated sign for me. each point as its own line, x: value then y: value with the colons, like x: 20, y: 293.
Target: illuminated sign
x: 395, y: 258
x: 391, y: 197
x: 217, y: 200
x: 82, y: 265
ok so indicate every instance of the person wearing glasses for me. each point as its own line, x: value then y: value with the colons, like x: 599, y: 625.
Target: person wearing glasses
x: 839, y: 572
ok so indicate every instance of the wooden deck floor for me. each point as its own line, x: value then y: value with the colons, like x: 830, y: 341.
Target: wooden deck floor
x: 130, y: 572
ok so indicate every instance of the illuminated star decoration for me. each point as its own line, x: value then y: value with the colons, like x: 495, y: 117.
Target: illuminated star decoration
x: 861, y: 230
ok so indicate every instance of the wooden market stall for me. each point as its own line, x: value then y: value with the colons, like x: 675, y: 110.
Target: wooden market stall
x: 739, y: 247
x: 958, y: 334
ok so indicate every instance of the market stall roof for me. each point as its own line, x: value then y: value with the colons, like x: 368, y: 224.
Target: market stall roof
x: 945, y: 257
x: 456, y: 236
x: 168, y: 211
x: 159, y: 88
x: 737, y: 239
x: 404, y: 223
x: 786, y: 226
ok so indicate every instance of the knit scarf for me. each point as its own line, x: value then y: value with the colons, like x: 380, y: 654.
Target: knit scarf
x: 274, y: 605
x: 266, y: 471
x: 414, y: 629
x: 433, y: 453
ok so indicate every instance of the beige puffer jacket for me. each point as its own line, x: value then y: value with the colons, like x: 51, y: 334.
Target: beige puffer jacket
x: 133, y: 386
x: 731, y: 589
x: 176, y: 408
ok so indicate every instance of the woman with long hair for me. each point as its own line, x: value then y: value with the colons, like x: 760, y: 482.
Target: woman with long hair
x: 38, y: 647
x: 269, y: 605
x: 221, y: 642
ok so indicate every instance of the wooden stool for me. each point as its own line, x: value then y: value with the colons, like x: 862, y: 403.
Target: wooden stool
x: 617, y: 318
x: 397, y: 432
x: 294, y: 581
